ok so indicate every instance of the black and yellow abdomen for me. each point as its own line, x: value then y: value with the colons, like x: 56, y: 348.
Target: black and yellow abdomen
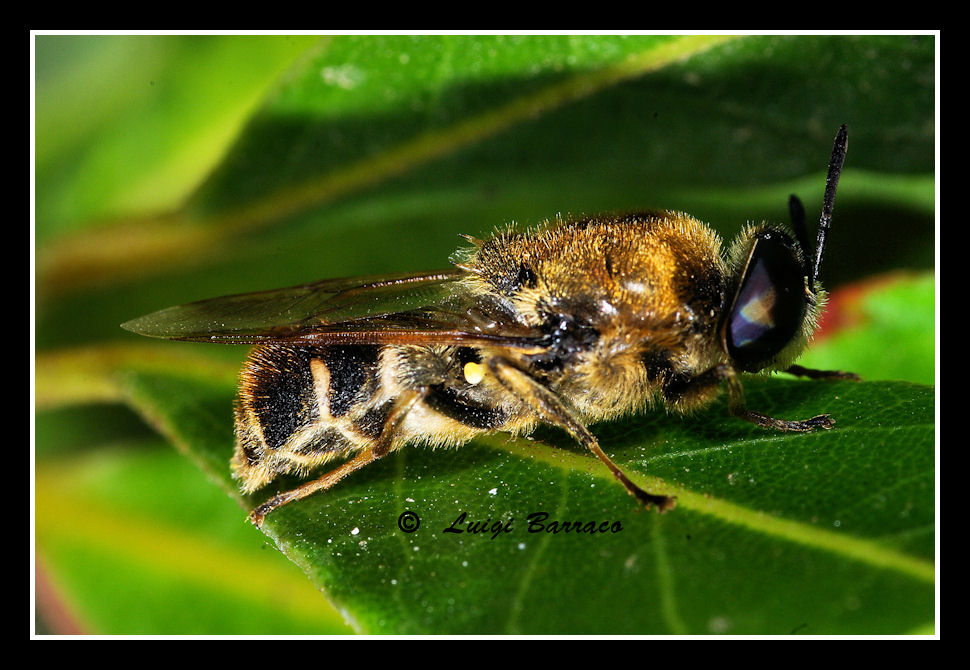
x: 302, y: 406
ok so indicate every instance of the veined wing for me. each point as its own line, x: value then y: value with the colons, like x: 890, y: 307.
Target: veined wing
x: 410, y: 308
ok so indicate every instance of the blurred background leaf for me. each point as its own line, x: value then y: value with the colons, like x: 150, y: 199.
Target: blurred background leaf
x: 172, y: 168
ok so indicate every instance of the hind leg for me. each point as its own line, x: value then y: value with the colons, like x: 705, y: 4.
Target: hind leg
x: 382, y: 446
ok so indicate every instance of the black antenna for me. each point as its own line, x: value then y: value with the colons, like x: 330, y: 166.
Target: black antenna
x: 828, y: 202
x: 797, y: 212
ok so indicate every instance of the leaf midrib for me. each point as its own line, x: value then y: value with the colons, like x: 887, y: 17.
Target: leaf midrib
x: 854, y: 548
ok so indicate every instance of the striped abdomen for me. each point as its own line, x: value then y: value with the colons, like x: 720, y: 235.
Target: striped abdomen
x: 299, y: 407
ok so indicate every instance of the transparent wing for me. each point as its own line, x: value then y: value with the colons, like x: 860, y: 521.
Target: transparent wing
x: 416, y: 308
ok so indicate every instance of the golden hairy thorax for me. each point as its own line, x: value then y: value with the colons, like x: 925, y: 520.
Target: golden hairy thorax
x: 641, y: 268
x: 648, y: 284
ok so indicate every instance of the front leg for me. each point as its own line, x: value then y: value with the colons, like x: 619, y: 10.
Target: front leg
x: 680, y: 388
x: 799, y: 371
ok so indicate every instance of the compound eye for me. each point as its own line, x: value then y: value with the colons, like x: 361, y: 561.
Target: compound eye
x: 770, y: 304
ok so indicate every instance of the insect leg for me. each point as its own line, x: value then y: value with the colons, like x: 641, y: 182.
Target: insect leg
x: 738, y: 409
x: 680, y: 389
x: 551, y: 409
x: 381, y: 447
x: 799, y: 371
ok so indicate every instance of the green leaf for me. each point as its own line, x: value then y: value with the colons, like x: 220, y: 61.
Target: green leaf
x: 838, y: 526
x: 171, y: 169
x: 133, y: 541
x: 128, y: 124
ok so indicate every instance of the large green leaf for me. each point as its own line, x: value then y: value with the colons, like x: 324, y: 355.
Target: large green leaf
x: 821, y: 533
x: 128, y: 125
x: 368, y: 155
